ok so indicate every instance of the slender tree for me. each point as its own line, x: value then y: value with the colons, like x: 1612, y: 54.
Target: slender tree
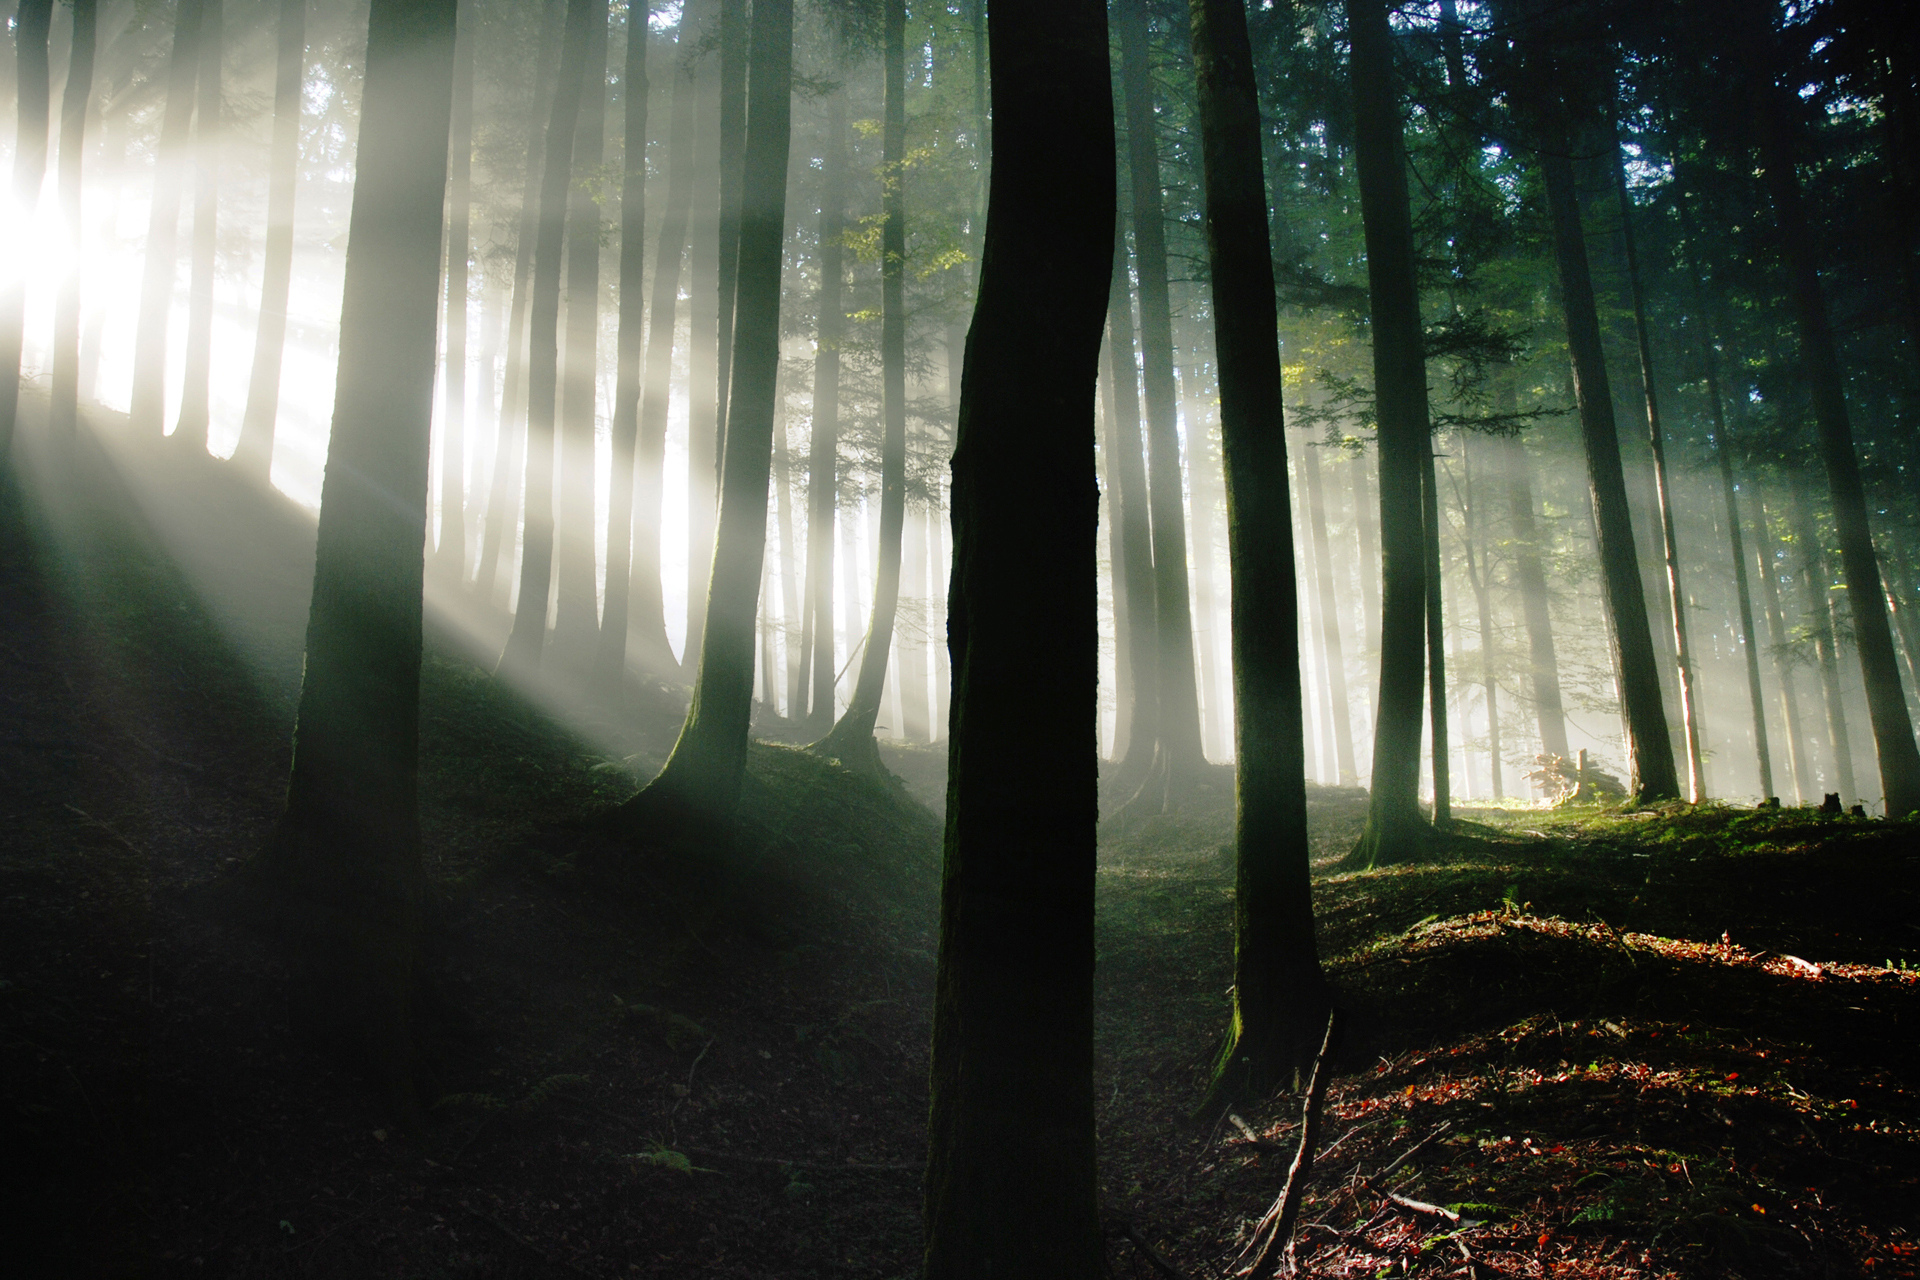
x: 255, y: 450
x: 147, y: 412
x: 1440, y: 743
x: 1131, y: 517
x: 1765, y: 547
x: 823, y: 452
x: 1329, y: 616
x: 34, y: 106
x: 1011, y: 1183
x: 196, y: 385
x: 453, y: 398
x: 347, y: 851
x: 64, y: 410
x: 1817, y: 604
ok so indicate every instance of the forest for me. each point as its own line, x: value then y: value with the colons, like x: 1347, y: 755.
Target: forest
x: 960, y: 638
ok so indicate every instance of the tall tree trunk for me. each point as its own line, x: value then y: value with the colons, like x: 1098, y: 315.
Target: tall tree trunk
x: 254, y: 453
x: 851, y: 738
x: 1663, y: 488
x: 1132, y: 517
x: 509, y: 451
x: 34, y: 107
x: 699, y: 787
x: 1329, y: 617
x: 1530, y: 581
x: 1649, y: 749
x: 1797, y: 741
x: 1479, y: 577
x: 1816, y: 598
x: 528, y: 638
x: 64, y: 411
x: 911, y: 646
x: 733, y: 139
x: 1011, y: 1182
x: 1203, y: 467
x: 1279, y: 993
x: 1123, y: 681
x: 703, y: 351
x: 1395, y: 827
x: 196, y: 389
x: 610, y: 658
x: 347, y: 851
x: 789, y: 568
x: 823, y: 453
x: 453, y: 413
x: 147, y: 413
x: 1440, y: 742
x: 1886, y: 704
x: 1178, y: 753
x: 577, y: 618
x: 1749, y: 638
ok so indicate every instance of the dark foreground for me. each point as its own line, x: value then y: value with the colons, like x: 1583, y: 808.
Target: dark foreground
x: 1623, y: 1045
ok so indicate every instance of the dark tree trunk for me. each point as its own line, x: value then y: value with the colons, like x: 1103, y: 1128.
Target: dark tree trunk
x: 147, y: 413
x: 347, y: 851
x: 1663, y: 489
x: 1178, y: 756
x: 1649, y: 749
x: 1011, y: 1181
x: 851, y: 739
x: 528, y: 638
x: 1815, y: 586
x: 1797, y: 741
x: 453, y: 414
x: 510, y: 429
x: 1886, y: 704
x: 63, y: 414
x: 823, y: 454
x: 1131, y: 516
x: 196, y: 389
x: 1395, y: 827
x: 698, y: 788
x: 255, y: 451
x: 1279, y: 992
x: 610, y: 659
x: 576, y: 622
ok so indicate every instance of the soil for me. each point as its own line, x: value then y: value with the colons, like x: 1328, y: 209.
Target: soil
x: 1673, y: 1043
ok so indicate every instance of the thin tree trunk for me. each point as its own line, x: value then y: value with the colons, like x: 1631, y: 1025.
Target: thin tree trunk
x: 1132, y: 517
x: 911, y: 645
x: 823, y: 453
x: 699, y: 787
x: 528, y: 638
x: 147, y: 412
x: 1279, y: 993
x: 789, y: 569
x: 851, y: 738
x: 703, y: 351
x: 510, y: 436
x: 64, y: 411
x: 1530, y: 581
x: 453, y: 413
x: 577, y: 618
x: 1124, y: 685
x: 34, y: 97
x: 1797, y: 741
x: 733, y: 137
x: 1817, y: 602
x: 1440, y: 743
x: 1886, y: 704
x: 255, y: 451
x: 1011, y: 1186
x: 1479, y: 577
x: 1395, y: 826
x: 1649, y: 749
x: 1203, y: 467
x: 1329, y: 618
x: 1363, y: 532
x: 1749, y: 638
x: 196, y: 390
x: 610, y: 658
x: 347, y: 851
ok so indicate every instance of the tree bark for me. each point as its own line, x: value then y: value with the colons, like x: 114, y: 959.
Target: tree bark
x: 254, y: 453
x: 528, y: 638
x: 347, y: 851
x: 610, y: 658
x: 147, y: 412
x: 1395, y: 827
x: 1134, y: 521
x: 823, y: 453
x: 63, y: 414
x: 698, y: 789
x: 196, y: 390
x: 1279, y: 993
x: 1011, y: 1181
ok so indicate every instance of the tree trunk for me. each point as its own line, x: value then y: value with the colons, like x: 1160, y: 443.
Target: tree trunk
x: 1749, y: 638
x: 1279, y: 993
x: 789, y: 567
x: 1131, y: 516
x: 1803, y: 774
x: 703, y: 350
x: 510, y: 444
x: 347, y: 851
x: 1816, y: 598
x: 1329, y: 617
x: 1530, y: 581
x: 698, y: 789
x: 453, y: 414
x: 1011, y: 1182
x: 733, y: 137
x: 576, y: 622
x: 851, y: 738
x: 911, y: 645
x: 1123, y: 681
x: 1178, y: 753
x: 823, y: 452
x: 1440, y: 742
x: 254, y: 453
x: 63, y: 414
x: 1363, y: 532
x: 35, y: 104
x: 528, y: 638
x: 196, y: 390
x: 1203, y: 466
x: 1649, y: 749
x: 1886, y: 704
x: 1479, y: 577
x: 1395, y: 827
x: 610, y: 658
x: 147, y: 413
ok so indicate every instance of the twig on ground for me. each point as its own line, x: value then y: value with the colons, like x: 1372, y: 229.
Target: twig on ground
x: 696, y: 1064
x: 1160, y: 1261
x: 1287, y: 1208
x: 1420, y: 1206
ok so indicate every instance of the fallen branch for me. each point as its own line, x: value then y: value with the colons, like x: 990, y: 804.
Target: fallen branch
x: 1159, y: 1260
x: 1286, y: 1210
x: 1420, y: 1206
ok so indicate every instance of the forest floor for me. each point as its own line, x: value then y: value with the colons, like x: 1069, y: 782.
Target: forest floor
x: 1596, y: 1044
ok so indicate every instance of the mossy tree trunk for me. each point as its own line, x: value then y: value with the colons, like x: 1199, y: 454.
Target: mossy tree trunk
x: 1011, y: 1183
